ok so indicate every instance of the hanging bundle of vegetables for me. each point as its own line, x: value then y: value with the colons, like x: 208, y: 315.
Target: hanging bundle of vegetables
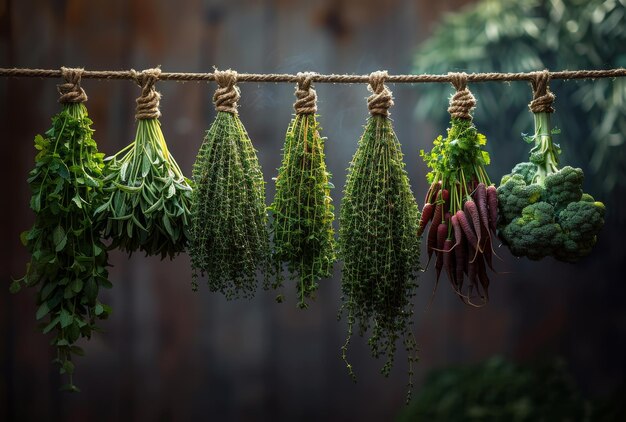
x: 149, y: 198
x: 461, y: 203
x: 302, y: 227
x: 543, y: 210
x: 229, y: 237
x: 69, y: 261
x: 377, y: 237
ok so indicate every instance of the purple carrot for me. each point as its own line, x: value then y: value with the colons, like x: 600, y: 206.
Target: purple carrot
x: 432, y: 231
x: 458, y: 231
x: 461, y: 259
x: 427, y: 215
x: 432, y: 192
x: 480, y: 197
x: 470, y: 210
x: 467, y: 229
x: 492, y: 205
x: 448, y: 263
x: 442, y: 232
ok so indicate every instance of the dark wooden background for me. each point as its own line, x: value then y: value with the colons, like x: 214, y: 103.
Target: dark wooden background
x: 170, y: 354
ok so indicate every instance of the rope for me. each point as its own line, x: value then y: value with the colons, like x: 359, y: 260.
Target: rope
x: 70, y: 91
x: 306, y: 96
x: 462, y: 102
x: 346, y: 79
x: 148, y: 102
x: 381, y: 100
x: 542, y: 96
x: 227, y: 94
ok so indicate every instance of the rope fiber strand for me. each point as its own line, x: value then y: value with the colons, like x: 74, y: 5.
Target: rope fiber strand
x: 332, y: 78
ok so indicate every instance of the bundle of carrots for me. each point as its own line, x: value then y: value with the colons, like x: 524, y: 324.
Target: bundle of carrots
x: 461, y: 204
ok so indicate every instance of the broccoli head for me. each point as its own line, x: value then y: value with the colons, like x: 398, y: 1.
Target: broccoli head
x: 564, y: 186
x: 535, y: 233
x: 514, y: 194
x: 581, y: 222
x: 526, y: 170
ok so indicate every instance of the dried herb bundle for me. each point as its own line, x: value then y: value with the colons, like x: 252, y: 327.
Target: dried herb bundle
x: 378, y: 238
x: 229, y: 238
x: 149, y: 201
x: 69, y: 261
x: 302, y: 225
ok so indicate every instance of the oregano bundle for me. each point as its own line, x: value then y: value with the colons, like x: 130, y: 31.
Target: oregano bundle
x: 68, y: 260
x: 378, y: 237
x: 148, y: 208
x: 229, y: 237
x: 302, y: 225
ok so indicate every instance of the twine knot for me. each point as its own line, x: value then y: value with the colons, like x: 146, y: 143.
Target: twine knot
x: 71, y: 91
x: 542, y: 96
x: 227, y: 93
x: 462, y: 102
x: 148, y: 102
x: 381, y: 99
x: 306, y: 96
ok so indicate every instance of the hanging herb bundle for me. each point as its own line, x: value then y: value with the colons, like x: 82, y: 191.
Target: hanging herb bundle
x: 377, y: 237
x: 229, y: 238
x: 461, y: 204
x: 148, y: 207
x: 69, y: 261
x: 302, y: 225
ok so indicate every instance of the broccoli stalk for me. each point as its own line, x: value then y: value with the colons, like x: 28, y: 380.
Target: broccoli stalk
x: 545, y: 154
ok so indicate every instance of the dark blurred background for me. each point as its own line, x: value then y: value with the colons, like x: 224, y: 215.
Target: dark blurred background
x: 170, y: 354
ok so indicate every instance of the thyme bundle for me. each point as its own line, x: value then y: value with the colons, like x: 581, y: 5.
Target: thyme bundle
x: 302, y: 225
x: 69, y: 261
x: 378, y: 238
x: 148, y: 207
x: 229, y: 238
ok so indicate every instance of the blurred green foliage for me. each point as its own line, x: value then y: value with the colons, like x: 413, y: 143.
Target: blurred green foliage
x: 515, y: 36
x: 497, y: 390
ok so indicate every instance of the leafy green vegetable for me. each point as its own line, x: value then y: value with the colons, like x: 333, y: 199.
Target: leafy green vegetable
x: 302, y: 211
x: 68, y: 263
x: 379, y: 245
x: 543, y: 209
x: 229, y: 238
x: 149, y: 201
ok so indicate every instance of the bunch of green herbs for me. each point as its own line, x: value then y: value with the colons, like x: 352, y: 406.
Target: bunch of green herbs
x: 229, y: 237
x: 302, y: 225
x: 379, y: 245
x: 69, y: 260
x: 148, y: 208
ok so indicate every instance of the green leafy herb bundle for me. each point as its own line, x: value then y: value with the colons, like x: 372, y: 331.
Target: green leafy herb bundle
x: 302, y: 225
x: 378, y: 239
x: 148, y: 207
x: 229, y: 237
x: 69, y: 261
x: 461, y: 204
